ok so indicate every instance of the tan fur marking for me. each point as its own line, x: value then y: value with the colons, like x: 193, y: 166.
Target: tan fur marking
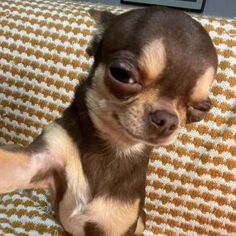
x: 99, y: 101
x: 112, y: 216
x: 130, y: 117
x: 78, y: 194
x: 140, y: 226
x: 133, y: 119
x: 61, y: 145
x: 153, y: 60
x: 201, y: 89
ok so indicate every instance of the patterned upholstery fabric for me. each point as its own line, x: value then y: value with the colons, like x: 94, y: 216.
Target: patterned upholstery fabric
x: 191, y: 185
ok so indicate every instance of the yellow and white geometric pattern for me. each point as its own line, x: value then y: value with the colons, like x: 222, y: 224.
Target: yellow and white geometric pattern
x: 191, y: 185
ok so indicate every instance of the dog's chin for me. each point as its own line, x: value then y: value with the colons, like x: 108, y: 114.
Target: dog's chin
x: 152, y: 140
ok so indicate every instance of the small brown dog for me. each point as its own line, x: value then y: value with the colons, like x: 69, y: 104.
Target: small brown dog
x: 152, y: 71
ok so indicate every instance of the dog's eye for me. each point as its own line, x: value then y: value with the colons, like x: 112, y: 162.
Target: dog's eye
x: 122, y: 79
x: 121, y: 74
x: 197, y: 111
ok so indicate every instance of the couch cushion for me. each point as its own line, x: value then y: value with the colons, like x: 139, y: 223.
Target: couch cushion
x: 191, y: 185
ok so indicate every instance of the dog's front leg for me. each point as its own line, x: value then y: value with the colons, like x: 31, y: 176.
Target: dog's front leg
x: 51, y: 161
x: 25, y: 168
x: 47, y: 162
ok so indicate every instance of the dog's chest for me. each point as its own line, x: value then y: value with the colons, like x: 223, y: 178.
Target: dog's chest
x: 112, y: 175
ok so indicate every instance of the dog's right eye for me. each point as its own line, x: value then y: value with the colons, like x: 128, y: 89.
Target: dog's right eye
x: 122, y: 79
x: 121, y: 74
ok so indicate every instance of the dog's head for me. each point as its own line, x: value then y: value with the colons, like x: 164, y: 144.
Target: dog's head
x: 152, y: 73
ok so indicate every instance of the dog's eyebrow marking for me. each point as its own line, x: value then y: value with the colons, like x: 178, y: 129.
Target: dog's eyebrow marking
x: 153, y: 60
x: 201, y: 89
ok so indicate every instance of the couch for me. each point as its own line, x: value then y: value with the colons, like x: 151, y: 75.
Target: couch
x: 191, y: 185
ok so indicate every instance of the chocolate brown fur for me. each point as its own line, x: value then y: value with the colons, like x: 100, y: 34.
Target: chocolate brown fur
x: 152, y: 71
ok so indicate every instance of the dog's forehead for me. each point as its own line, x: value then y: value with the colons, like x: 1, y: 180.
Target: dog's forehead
x: 133, y: 30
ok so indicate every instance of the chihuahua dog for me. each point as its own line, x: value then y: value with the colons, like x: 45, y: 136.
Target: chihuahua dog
x: 152, y: 72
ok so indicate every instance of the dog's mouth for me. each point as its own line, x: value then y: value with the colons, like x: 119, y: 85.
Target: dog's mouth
x: 152, y: 139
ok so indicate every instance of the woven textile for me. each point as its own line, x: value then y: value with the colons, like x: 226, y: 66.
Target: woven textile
x: 191, y: 185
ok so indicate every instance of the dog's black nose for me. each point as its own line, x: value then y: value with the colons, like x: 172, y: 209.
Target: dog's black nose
x: 166, y: 122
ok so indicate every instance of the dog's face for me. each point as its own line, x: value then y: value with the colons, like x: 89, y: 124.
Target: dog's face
x: 152, y: 74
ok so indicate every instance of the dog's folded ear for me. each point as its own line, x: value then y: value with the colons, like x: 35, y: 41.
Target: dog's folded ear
x: 102, y: 20
x: 101, y: 17
x: 197, y: 111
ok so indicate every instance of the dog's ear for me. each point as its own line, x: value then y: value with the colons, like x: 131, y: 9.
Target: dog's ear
x: 197, y: 111
x: 102, y: 20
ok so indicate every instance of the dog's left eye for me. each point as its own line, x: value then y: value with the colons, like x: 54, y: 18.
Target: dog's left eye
x: 197, y: 111
x: 121, y: 74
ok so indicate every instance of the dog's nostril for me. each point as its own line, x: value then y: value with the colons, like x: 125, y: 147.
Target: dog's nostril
x: 173, y: 127
x: 164, y: 120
